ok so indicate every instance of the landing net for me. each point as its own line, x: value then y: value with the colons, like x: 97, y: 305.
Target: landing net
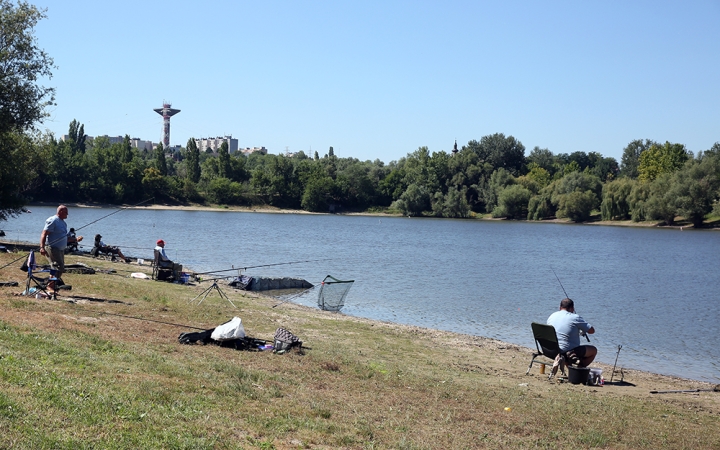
x: 332, y: 293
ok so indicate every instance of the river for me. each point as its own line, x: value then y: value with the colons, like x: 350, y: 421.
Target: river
x: 652, y: 291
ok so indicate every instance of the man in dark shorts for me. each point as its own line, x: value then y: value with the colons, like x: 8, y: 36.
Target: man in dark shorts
x: 568, y: 327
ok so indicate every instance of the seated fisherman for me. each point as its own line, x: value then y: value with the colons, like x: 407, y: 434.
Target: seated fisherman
x: 72, y: 241
x: 568, y: 327
x: 164, y: 262
x: 100, y: 247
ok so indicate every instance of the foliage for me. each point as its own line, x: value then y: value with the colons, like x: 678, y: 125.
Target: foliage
x: 695, y: 188
x: 18, y: 172
x: 660, y: 204
x: 22, y: 63
x: 658, y: 159
x: 512, y: 202
x: 454, y: 204
x: 615, y: 199
x: 540, y: 206
x: 414, y: 201
x: 631, y: 157
x: 161, y: 160
x: 500, y: 152
x: 499, y: 180
x: 576, y: 205
x: 192, y: 160
x: 22, y: 103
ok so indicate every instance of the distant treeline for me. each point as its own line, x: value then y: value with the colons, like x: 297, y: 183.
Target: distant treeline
x: 494, y: 176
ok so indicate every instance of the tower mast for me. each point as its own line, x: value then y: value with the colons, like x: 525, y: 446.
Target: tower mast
x: 166, y: 112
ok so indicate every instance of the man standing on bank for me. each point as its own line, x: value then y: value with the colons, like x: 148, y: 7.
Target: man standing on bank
x: 568, y: 327
x: 53, y: 241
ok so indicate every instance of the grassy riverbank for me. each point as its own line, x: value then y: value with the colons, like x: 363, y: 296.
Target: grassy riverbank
x: 109, y: 373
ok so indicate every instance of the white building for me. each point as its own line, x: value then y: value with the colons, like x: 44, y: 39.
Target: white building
x: 247, y: 150
x: 214, y: 144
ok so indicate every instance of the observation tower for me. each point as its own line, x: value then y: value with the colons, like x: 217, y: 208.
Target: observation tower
x: 167, y: 112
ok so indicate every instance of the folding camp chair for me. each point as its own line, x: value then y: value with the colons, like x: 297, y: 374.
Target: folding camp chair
x: 547, y: 346
x: 40, y: 284
x: 159, y: 272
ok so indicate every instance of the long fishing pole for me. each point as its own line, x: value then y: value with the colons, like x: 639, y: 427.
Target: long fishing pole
x: 561, y: 286
x: 263, y: 265
x: 114, y: 212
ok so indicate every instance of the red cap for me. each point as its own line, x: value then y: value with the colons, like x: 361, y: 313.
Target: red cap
x: 160, y: 241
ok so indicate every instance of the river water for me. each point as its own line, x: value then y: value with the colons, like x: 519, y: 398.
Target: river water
x: 653, y: 291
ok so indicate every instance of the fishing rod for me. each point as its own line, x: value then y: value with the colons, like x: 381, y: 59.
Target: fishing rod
x: 263, y: 265
x: 295, y: 296
x: 114, y: 212
x: 561, y: 285
x: 84, y: 226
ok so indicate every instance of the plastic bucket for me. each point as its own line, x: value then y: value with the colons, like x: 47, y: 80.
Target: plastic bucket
x: 184, y: 278
x: 578, y: 375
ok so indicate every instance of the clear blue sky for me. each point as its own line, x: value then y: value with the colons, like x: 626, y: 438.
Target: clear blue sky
x: 378, y: 79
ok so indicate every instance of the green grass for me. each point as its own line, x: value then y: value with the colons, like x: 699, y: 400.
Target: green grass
x: 112, y: 375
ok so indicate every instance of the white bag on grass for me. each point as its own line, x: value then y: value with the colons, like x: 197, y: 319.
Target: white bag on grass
x: 229, y: 330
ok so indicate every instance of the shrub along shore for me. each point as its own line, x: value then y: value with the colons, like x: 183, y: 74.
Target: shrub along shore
x: 101, y: 367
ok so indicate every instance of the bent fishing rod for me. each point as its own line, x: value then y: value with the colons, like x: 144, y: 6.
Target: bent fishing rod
x: 263, y: 265
x: 86, y: 225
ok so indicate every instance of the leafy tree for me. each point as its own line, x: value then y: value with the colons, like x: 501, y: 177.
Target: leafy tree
x: 574, y: 196
x: 22, y: 102
x: 192, y: 160
x: 454, y: 204
x: 576, y: 205
x: 713, y: 151
x: 500, y: 151
x: 660, y: 204
x: 318, y: 194
x: 22, y: 63
x: 224, y: 191
x: 695, y: 188
x: 512, y: 202
x: 414, y: 201
x: 631, y: 157
x: 581, y: 158
x: 658, y: 159
x: 538, y: 175
x: 499, y: 180
x: 154, y: 183
x: 67, y: 171
x: 637, y: 201
x: 160, y: 160
x: 76, y: 136
x: 224, y: 167
x: 541, y: 158
x: 331, y: 153
x: 615, y: 199
x: 18, y: 172
x: 540, y: 206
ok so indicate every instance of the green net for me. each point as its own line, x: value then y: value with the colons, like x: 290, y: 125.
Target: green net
x: 332, y: 293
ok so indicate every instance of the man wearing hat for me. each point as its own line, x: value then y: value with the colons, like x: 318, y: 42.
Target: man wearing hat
x: 164, y: 262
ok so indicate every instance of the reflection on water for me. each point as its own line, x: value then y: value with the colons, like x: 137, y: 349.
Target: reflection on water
x: 650, y: 290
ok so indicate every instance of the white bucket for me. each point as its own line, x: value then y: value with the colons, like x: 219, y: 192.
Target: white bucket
x: 595, y: 376
x: 140, y: 261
